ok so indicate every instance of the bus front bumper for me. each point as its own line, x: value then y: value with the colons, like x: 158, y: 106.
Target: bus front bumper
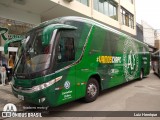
x: 40, y: 97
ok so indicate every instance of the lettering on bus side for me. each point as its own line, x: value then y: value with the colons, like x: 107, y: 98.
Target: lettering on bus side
x: 108, y: 59
x: 67, y: 95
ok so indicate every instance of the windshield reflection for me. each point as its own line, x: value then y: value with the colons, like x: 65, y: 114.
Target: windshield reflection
x: 32, y: 56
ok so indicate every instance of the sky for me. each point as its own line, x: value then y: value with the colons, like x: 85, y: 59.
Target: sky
x: 148, y: 11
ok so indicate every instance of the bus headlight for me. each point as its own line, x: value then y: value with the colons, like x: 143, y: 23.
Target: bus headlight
x: 45, y: 85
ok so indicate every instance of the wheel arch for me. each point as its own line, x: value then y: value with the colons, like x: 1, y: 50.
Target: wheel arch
x: 98, y: 78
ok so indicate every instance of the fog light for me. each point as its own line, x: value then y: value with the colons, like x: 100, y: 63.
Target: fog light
x: 41, y: 100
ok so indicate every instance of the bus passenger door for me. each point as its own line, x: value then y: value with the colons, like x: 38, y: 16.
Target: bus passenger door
x: 65, y: 57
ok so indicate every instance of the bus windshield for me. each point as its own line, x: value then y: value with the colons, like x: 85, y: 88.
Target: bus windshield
x: 32, y: 56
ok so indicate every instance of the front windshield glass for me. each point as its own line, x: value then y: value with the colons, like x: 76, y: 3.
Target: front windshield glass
x: 33, y: 57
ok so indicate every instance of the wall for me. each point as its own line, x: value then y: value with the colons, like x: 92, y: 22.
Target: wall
x: 89, y: 11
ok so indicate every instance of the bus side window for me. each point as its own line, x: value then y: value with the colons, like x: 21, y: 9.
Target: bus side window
x: 66, y: 50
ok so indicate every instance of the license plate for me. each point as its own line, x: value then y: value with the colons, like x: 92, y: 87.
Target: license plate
x: 21, y: 97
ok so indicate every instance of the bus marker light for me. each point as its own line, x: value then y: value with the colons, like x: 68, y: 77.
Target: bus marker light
x: 58, y: 88
x: 78, y: 84
x: 47, y: 84
x: 83, y: 83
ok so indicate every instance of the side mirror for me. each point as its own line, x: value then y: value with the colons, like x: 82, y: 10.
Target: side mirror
x: 47, y: 32
x: 10, y: 41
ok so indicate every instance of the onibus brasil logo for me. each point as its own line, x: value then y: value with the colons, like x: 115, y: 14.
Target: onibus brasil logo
x: 10, y: 110
x: 130, y: 59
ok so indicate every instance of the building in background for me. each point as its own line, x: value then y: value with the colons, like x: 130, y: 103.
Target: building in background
x: 18, y: 16
x: 148, y: 34
x: 139, y: 32
x: 119, y: 14
x: 10, y: 29
x: 157, y: 39
x: 145, y: 33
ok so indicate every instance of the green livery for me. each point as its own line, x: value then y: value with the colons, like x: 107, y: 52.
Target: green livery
x: 72, y: 57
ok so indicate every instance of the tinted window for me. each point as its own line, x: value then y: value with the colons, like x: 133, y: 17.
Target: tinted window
x: 66, y: 51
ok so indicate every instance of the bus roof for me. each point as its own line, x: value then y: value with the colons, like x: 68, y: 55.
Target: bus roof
x: 62, y: 20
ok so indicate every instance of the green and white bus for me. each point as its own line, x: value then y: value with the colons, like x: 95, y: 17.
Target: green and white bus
x: 69, y: 58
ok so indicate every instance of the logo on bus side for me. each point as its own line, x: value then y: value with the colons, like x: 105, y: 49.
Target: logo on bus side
x: 67, y: 85
x: 130, y: 60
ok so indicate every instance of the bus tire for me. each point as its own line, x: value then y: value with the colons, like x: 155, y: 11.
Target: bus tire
x: 92, y: 90
x: 141, y: 75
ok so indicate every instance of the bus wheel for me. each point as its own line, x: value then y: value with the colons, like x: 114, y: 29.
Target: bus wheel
x: 141, y: 75
x: 92, y: 90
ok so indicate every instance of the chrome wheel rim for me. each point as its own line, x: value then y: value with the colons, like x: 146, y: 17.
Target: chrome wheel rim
x: 92, y: 90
